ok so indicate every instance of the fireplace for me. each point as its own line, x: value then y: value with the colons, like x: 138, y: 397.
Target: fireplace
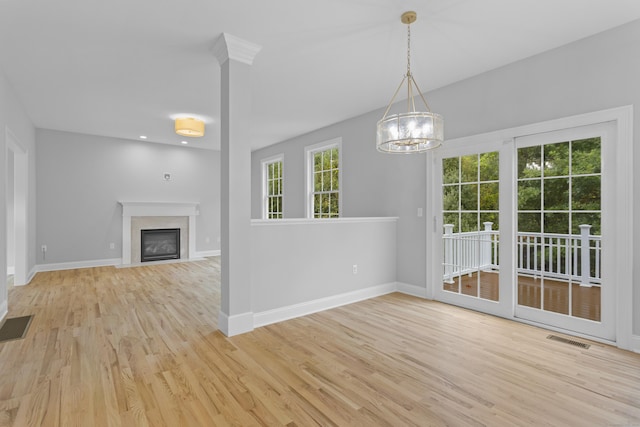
x: 159, y: 244
x: 137, y: 216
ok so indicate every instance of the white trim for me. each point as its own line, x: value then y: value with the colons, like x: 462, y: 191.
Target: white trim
x: 21, y: 206
x: 264, y: 163
x: 310, y: 221
x: 30, y: 276
x: 416, y: 291
x: 78, y: 264
x: 308, y: 173
x: 309, y: 307
x: 134, y: 209
x: 4, y: 310
x: 236, y: 324
x: 228, y: 47
x: 11, y: 270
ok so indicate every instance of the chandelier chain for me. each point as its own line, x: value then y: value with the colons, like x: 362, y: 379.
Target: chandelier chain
x: 409, y: 50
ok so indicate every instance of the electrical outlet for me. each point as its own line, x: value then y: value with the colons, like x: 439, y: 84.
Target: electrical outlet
x: 112, y: 245
x: 355, y: 268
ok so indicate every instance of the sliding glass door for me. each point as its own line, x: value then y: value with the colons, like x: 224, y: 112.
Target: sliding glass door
x: 521, y: 228
x: 471, y: 260
x: 562, y: 229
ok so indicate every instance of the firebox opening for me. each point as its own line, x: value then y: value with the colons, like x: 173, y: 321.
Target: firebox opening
x: 160, y: 244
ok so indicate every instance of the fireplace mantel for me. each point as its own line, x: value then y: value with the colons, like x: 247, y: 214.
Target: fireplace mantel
x: 157, y: 209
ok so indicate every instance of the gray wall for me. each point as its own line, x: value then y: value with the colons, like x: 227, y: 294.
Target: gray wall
x: 373, y: 185
x: 295, y: 263
x: 13, y: 119
x: 81, y: 178
x: 592, y: 74
x: 302, y: 262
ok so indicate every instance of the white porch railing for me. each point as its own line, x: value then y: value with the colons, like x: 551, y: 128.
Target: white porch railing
x: 556, y: 256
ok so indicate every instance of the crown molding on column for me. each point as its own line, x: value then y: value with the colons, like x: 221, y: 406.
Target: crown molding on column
x: 231, y: 47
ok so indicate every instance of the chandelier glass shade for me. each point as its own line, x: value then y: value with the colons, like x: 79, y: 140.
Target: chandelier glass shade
x: 413, y: 131
x: 188, y: 126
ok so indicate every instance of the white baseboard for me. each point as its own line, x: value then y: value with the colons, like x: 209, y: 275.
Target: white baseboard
x: 4, y: 310
x: 236, y: 324
x: 285, y: 313
x: 205, y: 254
x: 78, y: 264
x: 635, y: 343
x: 31, y: 275
x: 416, y: 291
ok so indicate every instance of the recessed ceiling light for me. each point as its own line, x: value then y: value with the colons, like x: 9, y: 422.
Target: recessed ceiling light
x: 184, y: 142
x: 143, y: 136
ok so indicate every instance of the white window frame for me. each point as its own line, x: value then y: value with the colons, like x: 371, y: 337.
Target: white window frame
x: 265, y: 179
x: 309, y: 152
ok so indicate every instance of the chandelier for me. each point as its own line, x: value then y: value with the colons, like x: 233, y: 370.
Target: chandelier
x: 413, y: 131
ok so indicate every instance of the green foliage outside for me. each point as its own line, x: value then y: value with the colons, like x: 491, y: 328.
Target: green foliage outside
x: 558, y: 188
x: 326, y: 184
x: 471, y: 191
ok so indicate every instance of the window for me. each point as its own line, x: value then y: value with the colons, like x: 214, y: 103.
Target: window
x: 272, y: 187
x: 323, y: 179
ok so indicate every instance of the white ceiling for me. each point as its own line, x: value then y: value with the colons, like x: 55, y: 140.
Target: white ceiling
x: 124, y: 68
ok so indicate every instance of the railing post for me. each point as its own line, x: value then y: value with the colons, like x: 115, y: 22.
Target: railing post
x: 448, y: 253
x: 485, y: 246
x: 585, y: 249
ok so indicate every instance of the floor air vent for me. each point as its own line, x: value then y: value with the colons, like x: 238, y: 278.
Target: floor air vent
x: 568, y: 341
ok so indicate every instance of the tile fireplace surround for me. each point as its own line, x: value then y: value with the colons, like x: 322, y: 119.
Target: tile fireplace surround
x: 152, y: 215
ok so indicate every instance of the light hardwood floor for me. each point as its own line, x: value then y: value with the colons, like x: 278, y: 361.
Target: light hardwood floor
x: 139, y: 346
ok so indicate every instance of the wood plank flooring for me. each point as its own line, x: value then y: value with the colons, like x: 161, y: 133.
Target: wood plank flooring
x: 139, y: 347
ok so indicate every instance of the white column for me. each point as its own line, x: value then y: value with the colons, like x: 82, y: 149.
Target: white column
x: 486, y: 246
x: 585, y: 258
x: 448, y: 253
x: 235, y: 57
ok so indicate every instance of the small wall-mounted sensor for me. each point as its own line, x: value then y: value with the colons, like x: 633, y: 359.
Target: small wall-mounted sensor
x: 167, y: 177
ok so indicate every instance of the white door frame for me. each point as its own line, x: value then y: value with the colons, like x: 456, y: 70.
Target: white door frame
x: 623, y: 228
x: 605, y: 328
x: 504, y: 306
x: 20, y: 214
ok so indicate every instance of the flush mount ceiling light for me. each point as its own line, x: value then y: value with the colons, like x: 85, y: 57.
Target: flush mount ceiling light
x: 413, y: 131
x: 188, y: 126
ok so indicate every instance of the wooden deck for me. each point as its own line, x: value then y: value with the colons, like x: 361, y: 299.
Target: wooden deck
x: 585, y: 301
x: 139, y: 347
